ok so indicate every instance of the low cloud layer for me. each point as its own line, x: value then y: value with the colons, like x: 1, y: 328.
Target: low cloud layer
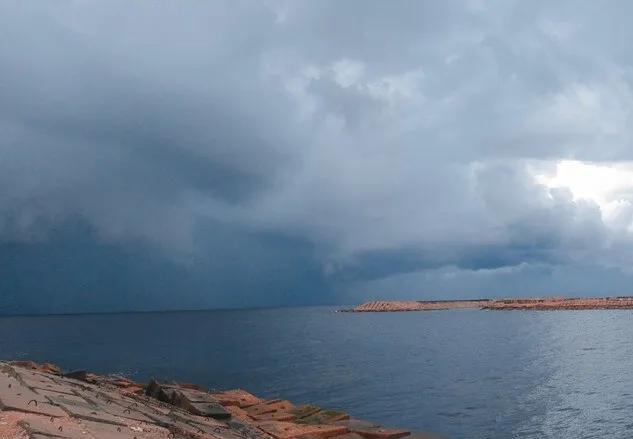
x: 391, y: 138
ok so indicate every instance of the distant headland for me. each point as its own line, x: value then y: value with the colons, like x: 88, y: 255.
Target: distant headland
x: 552, y: 303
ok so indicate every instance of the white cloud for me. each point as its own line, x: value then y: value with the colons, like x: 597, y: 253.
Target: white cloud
x: 607, y: 184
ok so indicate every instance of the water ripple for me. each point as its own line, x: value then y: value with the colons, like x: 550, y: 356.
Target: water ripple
x: 465, y: 374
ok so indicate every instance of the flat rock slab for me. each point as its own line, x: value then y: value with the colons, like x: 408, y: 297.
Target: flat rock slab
x: 212, y: 429
x: 382, y: 433
x: 9, y: 382
x: 109, y: 399
x: 275, y: 405
x: 92, y: 414
x: 62, y: 398
x: 302, y: 411
x: 16, y: 397
x: 73, y: 382
x: 419, y: 435
x: 128, y: 413
x: 189, y: 430
x: 51, y: 386
x: 275, y: 416
x: 19, y: 369
x: 324, y: 417
x: 98, y: 397
x: 194, y: 396
x: 248, y: 430
x: 356, y: 424
x: 106, y: 431
x: 28, y: 404
x: 193, y: 419
x: 236, y: 397
x: 29, y: 375
x: 289, y: 430
x: 158, y: 418
x: 55, y: 428
x: 238, y: 413
x: 349, y: 436
x: 215, y: 411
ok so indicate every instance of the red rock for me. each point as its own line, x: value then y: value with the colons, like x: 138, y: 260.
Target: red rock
x: 237, y: 413
x: 50, y: 368
x: 275, y: 416
x: 302, y: 411
x: 237, y: 397
x: 349, y: 436
x: 324, y: 417
x: 401, y: 305
x: 270, y: 406
x: 425, y: 436
x: 356, y: 424
x: 25, y: 364
x: 288, y: 430
x: 560, y: 303
x: 46, y: 367
x: 112, y: 404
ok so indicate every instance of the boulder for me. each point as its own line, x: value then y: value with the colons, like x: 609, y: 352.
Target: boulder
x: 80, y: 375
x: 158, y: 391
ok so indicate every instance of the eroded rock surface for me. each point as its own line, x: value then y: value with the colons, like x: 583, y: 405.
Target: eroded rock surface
x: 38, y: 402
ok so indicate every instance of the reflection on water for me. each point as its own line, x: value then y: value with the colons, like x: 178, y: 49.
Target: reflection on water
x: 588, y: 391
x: 467, y: 374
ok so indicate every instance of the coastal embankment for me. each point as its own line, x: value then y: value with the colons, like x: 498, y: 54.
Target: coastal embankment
x: 40, y: 402
x: 553, y: 304
x: 397, y: 305
x: 525, y: 303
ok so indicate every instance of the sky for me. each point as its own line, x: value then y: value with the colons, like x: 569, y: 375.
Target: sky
x: 163, y: 155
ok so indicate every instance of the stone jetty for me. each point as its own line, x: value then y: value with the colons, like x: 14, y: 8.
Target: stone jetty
x: 553, y: 304
x: 431, y: 305
x: 39, y: 402
x: 523, y: 303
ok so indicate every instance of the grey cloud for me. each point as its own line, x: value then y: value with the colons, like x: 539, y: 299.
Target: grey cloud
x: 394, y: 137
x: 523, y: 280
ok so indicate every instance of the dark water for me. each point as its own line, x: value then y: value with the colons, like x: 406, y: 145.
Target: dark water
x: 468, y: 374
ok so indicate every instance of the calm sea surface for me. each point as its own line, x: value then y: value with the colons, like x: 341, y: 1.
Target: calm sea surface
x: 467, y: 374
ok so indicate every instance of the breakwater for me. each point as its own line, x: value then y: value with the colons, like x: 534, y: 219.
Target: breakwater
x: 397, y: 305
x: 523, y: 303
x: 574, y: 303
x: 40, y: 402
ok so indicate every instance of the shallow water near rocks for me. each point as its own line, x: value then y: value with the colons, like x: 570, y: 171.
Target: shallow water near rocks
x: 464, y: 373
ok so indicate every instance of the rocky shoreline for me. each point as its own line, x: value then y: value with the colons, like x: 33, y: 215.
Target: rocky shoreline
x: 38, y: 401
x: 514, y: 304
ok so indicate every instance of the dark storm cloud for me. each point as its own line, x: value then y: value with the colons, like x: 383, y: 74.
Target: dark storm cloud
x: 126, y: 127
x: 394, y: 137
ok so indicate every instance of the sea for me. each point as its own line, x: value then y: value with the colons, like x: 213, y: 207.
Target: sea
x: 464, y: 373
